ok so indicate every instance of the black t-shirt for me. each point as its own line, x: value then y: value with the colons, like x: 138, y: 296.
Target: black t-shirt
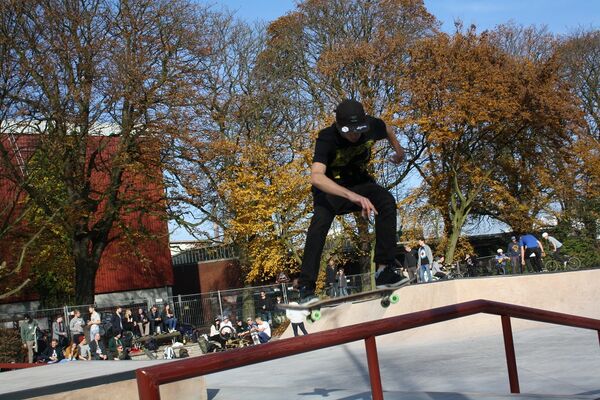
x: 347, y: 162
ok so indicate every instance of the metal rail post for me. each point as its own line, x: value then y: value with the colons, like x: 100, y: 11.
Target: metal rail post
x: 511, y: 360
x: 373, y: 364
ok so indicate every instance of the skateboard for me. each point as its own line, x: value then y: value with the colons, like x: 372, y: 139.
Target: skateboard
x: 386, y: 295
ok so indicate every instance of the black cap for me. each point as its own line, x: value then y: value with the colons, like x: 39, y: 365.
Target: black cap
x: 350, y: 117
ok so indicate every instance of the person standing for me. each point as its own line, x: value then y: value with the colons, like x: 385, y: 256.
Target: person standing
x: 29, y: 336
x: 76, y: 326
x: 342, y: 282
x: 514, y: 253
x: 297, y: 318
x: 94, y: 321
x: 342, y: 184
x: 332, y: 282
x: 410, y: 263
x: 424, y: 261
x: 265, y: 306
x: 59, y: 332
x: 532, y: 250
x: 116, y: 320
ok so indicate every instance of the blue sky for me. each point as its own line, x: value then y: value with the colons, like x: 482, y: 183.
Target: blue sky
x: 561, y: 16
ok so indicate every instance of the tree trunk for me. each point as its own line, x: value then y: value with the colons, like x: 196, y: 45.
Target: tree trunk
x: 85, y: 272
x: 458, y: 221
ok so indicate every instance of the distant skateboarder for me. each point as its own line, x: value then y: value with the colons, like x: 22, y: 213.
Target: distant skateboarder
x: 342, y: 184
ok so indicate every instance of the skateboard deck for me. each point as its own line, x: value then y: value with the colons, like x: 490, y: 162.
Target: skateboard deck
x: 386, y: 295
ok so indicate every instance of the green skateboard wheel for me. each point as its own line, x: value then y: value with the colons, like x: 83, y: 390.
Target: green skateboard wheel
x: 394, y: 298
x: 315, y: 315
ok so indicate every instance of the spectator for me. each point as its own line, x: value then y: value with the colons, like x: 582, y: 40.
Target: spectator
x: 116, y: 349
x: 264, y: 330
x: 332, y: 282
x: 53, y: 353
x: 71, y: 352
x: 410, y: 263
x: 437, y: 267
x: 514, y: 253
x: 555, y: 247
x: 116, y: 321
x: 29, y: 337
x: 532, y: 250
x: 247, y: 330
x: 472, y: 264
x: 169, y: 318
x: 342, y: 282
x: 84, y: 350
x: 59, y: 332
x: 155, y: 320
x: 76, y: 326
x: 142, y: 322
x: 94, y: 322
x: 128, y: 321
x: 264, y: 306
x: 97, y: 348
x: 297, y: 318
x: 500, y: 262
x: 215, y: 332
x: 424, y: 261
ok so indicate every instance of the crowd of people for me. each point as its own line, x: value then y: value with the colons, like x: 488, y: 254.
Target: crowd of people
x: 522, y: 254
x: 94, y: 338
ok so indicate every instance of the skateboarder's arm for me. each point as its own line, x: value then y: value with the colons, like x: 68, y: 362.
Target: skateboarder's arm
x: 319, y: 180
x: 399, y: 156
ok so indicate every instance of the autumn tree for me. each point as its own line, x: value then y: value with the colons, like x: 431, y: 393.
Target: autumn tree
x: 98, y: 83
x: 483, y: 112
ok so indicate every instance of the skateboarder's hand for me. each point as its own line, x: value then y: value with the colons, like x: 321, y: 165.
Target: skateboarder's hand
x: 367, y: 207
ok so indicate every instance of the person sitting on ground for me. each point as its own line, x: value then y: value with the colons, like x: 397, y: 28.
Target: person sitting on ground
x: 71, y: 352
x: 215, y: 334
x: 437, y: 267
x: 142, y: 322
x: 59, y: 332
x: 297, y: 318
x: 116, y: 350
x: 94, y: 321
x: 53, y: 353
x: 250, y: 325
x: 169, y: 319
x: 155, y: 319
x: 264, y: 330
x: 76, y: 326
x: 98, y: 349
x: 501, y: 261
x: 84, y: 350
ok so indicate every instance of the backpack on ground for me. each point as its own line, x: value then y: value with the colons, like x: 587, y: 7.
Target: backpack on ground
x: 183, y: 353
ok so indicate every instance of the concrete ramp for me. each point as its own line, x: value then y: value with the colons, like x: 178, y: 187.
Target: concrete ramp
x: 575, y: 293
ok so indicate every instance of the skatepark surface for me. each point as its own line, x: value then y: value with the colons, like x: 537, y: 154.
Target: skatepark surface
x: 459, y: 359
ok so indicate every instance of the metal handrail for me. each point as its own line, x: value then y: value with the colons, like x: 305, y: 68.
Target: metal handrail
x: 149, y: 379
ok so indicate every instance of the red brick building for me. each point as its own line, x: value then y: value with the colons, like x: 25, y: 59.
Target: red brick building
x: 129, y: 270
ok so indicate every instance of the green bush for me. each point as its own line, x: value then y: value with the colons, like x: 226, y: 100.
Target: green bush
x: 586, y: 249
x: 11, y: 347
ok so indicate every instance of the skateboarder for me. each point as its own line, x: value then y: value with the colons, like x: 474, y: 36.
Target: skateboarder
x: 342, y: 184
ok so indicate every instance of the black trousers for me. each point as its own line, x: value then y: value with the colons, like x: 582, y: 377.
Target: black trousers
x: 327, y: 206
x: 295, y: 327
x: 535, y: 262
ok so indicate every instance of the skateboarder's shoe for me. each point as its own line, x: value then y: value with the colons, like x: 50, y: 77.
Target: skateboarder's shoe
x: 389, y: 278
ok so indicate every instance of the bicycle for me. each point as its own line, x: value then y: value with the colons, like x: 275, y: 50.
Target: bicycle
x: 569, y: 263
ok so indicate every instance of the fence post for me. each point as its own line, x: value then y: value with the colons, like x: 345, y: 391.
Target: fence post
x: 220, y: 303
x: 67, y: 320
x: 511, y: 361
x: 284, y: 292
